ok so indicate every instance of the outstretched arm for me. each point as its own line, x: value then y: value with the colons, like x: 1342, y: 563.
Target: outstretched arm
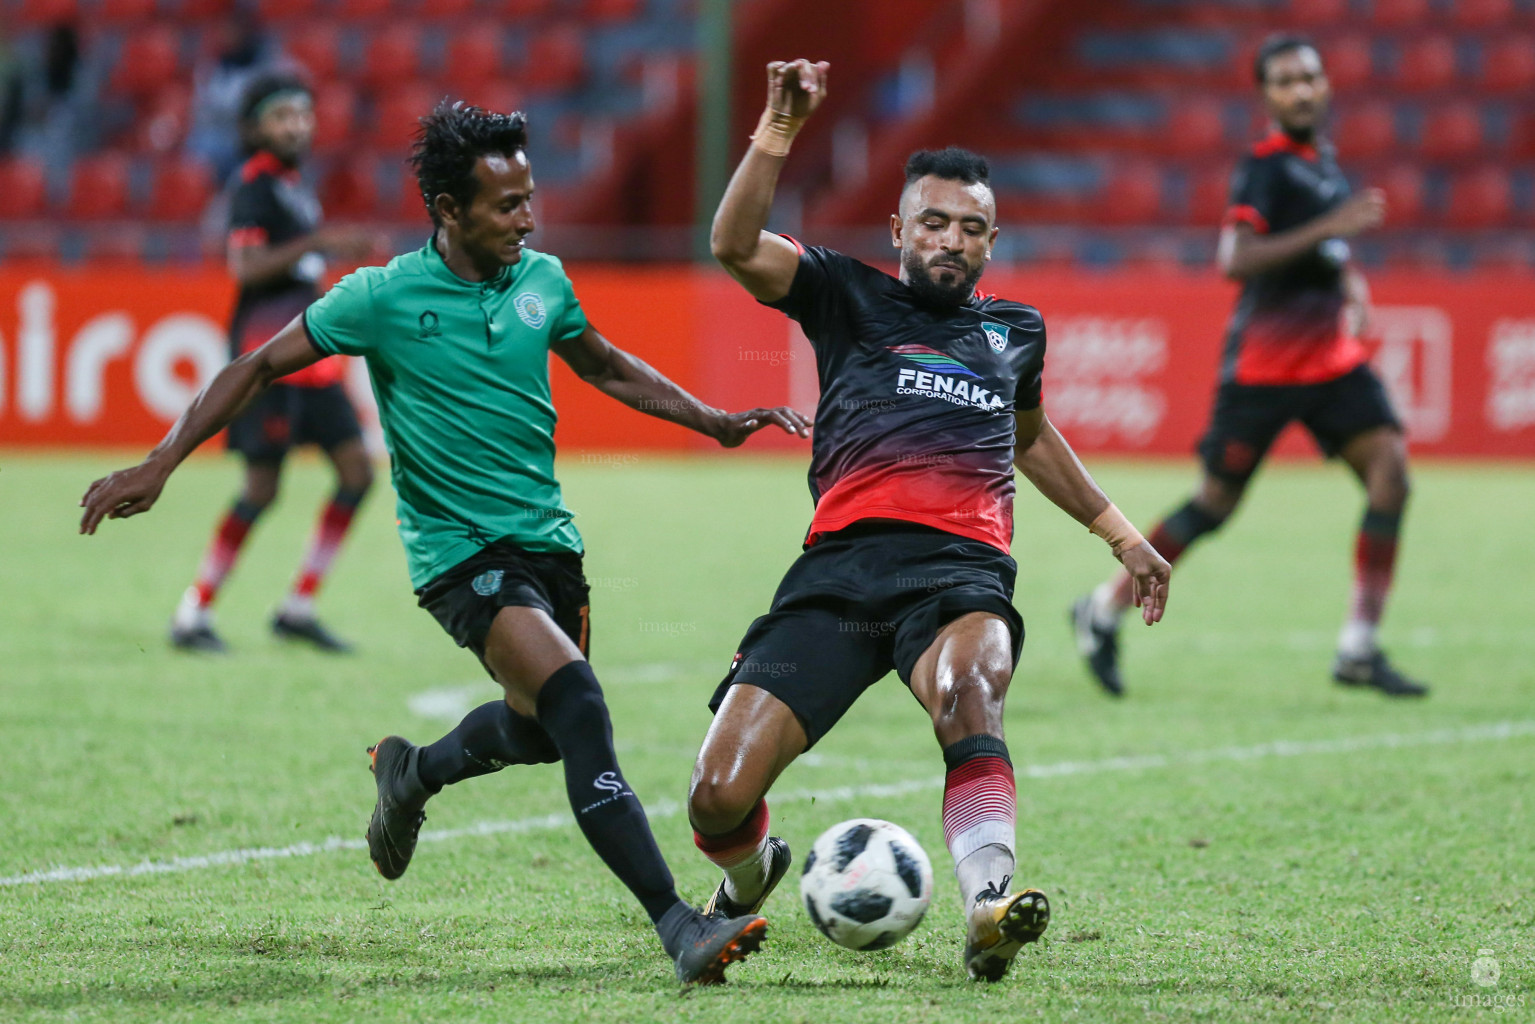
x: 763, y: 262
x: 128, y: 492
x: 1042, y: 455
x: 640, y: 386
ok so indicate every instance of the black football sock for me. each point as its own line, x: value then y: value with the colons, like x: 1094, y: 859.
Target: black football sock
x: 489, y: 738
x: 572, y: 711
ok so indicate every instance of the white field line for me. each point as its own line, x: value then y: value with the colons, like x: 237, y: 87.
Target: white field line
x: 1475, y: 734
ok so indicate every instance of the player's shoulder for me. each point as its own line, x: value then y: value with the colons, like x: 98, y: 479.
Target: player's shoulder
x: 1015, y: 314
x: 538, y: 263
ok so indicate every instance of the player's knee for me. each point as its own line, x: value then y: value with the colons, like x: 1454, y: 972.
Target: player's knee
x: 718, y: 802
x: 972, y: 699
x: 356, y: 480
x: 258, y: 495
x: 1390, y: 487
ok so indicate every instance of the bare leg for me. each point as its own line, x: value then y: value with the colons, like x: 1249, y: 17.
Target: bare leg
x: 751, y: 741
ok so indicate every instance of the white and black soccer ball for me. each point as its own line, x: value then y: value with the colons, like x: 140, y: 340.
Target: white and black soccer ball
x: 866, y: 883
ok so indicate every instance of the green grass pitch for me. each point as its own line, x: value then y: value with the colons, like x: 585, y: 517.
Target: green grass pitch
x: 1237, y: 839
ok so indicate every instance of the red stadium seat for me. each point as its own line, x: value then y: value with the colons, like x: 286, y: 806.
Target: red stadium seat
x: 393, y: 55
x: 498, y: 95
x: 350, y: 190
x: 1318, y: 12
x: 1365, y: 131
x: 40, y: 13
x: 1483, y: 198
x: 335, y: 116
x: 1133, y: 196
x: 556, y: 59
x: 360, y: 10
x: 1426, y: 63
x: 1349, y: 62
x: 1404, y: 190
x: 38, y: 242
x: 1196, y: 126
x: 150, y: 58
x: 1399, y: 13
x: 116, y: 243
x: 612, y: 10
x: 203, y: 10
x: 521, y: 10
x: 1481, y: 13
x: 474, y: 57
x: 287, y: 10
x: 444, y: 9
x: 395, y: 116
x: 117, y: 12
x: 23, y: 190
x: 181, y: 191
x: 98, y: 187
x: 408, y: 204
x: 1209, y: 195
x: 1508, y: 64
x: 1452, y: 131
x: 317, y: 48
x: 162, y: 119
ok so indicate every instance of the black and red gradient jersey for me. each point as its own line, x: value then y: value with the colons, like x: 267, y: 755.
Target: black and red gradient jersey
x: 271, y: 205
x: 915, y: 420
x: 1288, y: 326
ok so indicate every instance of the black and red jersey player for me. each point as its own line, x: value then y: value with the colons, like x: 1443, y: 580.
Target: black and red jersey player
x: 1292, y: 353
x: 277, y: 251
x: 930, y: 396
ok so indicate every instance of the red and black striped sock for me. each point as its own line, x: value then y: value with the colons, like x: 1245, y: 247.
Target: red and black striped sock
x: 335, y: 520
x: 980, y: 811
x: 224, y: 550
x: 1374, y: 568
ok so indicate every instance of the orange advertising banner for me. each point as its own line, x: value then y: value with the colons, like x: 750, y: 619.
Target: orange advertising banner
x: 111, y: 357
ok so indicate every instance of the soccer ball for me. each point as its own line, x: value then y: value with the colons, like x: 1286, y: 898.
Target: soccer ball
x: 866, y: 883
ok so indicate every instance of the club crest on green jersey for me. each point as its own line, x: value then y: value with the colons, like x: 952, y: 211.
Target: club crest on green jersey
x: 430, y: 325
x: 530, y: 307
x: 997, y: 335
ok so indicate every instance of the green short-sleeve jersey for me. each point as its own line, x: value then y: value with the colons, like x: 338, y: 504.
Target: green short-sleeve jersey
x: 461, y: 373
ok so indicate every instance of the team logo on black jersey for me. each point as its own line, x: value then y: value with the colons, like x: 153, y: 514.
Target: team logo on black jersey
x: 996, y: 334
x: 934, y: 360
x: 530, y: 307
x: 942, y: 377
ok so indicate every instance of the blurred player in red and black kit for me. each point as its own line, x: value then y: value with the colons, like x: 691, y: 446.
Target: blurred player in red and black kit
x: 930, y: 396
x: 277, y: 253
x: 1292, y: 353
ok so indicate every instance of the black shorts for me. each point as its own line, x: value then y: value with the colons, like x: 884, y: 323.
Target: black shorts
x: 1248, y: 417
x: 465, y: 599
x: 287, y: 415
x: 861, y: 601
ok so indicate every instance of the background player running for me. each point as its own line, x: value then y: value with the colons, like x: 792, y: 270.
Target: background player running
x: 930, y: 394
x: 1292, y: 353
x: 457, y: 338
x: 276, y: 253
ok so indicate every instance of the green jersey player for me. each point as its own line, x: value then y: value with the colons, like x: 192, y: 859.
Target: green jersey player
x: 457, y: 338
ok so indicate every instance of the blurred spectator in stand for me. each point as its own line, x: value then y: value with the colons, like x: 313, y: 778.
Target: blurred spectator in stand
x: 242, y: 54
x: 52, y: 126
x: 10, y: 95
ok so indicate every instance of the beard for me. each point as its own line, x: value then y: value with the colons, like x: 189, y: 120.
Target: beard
x: 932, y: 292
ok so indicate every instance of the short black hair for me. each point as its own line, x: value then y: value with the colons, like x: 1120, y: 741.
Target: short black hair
x: 951, y: 164
x: 1276, y: 44
x: 264, y: 88
x: 449, y: 141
